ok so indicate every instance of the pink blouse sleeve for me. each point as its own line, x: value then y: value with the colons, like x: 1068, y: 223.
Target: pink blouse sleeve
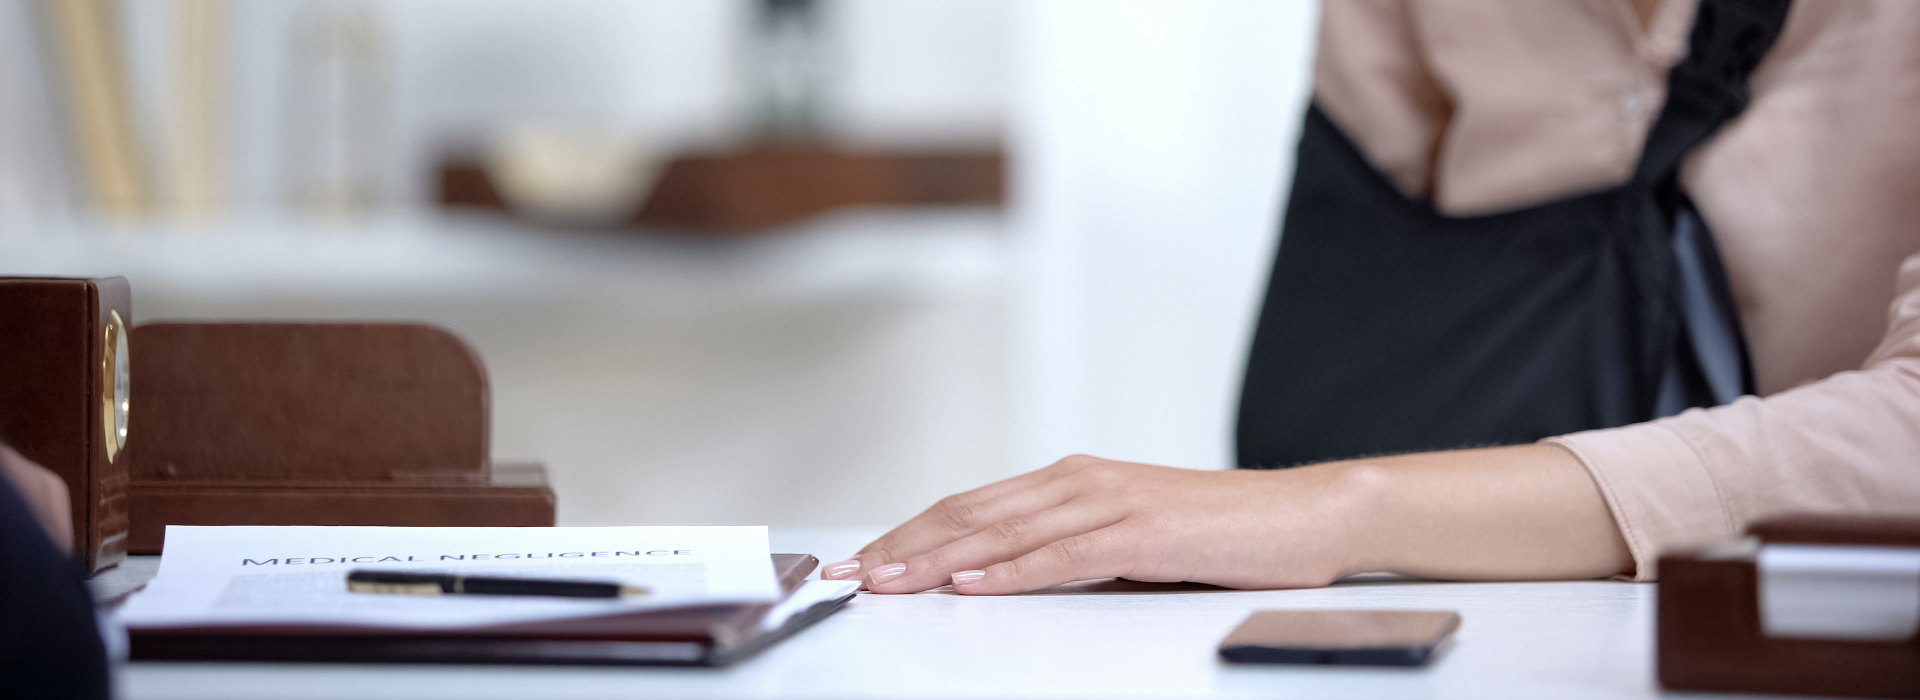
x: 1849, y: 443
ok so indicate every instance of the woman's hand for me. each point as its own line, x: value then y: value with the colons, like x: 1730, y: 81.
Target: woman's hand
x: 1086, y: 517
x: 1515, y: 512
x: 44, y: 493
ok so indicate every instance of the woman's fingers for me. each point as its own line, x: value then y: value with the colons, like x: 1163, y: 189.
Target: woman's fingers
x: 954, y: 518
x: 1099, y: 554
x: 45, y: 493
x: 1005, y: 540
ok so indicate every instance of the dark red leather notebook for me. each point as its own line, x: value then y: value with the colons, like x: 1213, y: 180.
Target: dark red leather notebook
x: 703, y: 636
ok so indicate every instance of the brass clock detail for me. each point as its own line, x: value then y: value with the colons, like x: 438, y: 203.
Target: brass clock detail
x: 113, y: 385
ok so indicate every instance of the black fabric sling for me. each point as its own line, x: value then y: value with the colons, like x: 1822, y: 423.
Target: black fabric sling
x: 1390, y: 328
x: 50, y: 644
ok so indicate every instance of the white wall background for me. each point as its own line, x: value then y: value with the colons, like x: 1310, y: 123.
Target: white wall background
x: 847, y: 372
x: 1156, y: 138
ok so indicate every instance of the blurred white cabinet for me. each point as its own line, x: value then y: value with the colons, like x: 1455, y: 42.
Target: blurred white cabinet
x: 846, y: 372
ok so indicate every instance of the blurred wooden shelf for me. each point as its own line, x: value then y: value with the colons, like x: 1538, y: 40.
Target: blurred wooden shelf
x: 478, y: 255
x: 765, y: 187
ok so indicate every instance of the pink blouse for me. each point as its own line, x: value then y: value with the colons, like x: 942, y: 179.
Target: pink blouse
x: 1849, y: 443
x: 1813, y: 195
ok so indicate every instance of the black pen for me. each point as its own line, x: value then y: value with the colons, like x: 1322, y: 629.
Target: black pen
x: 418, y: 583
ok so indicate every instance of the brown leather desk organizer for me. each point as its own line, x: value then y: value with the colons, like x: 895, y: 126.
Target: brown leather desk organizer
x: 315, y: 424
x: 1710, y: 629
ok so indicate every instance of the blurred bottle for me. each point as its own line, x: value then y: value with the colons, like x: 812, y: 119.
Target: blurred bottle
x: 337, y: 118
x: 788, y: 66
x: 197, y: 128
x: 39, y: 171
x: 100, y: 106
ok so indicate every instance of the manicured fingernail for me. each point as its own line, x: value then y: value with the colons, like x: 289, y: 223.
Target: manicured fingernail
x: 887, y: 573
x: 840, y: 570
x: 965, y: 577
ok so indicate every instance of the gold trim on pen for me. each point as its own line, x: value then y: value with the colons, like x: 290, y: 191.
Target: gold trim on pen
x: 394, y: 588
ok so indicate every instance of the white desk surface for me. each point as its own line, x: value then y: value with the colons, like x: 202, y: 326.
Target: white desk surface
x: 1517, y: 640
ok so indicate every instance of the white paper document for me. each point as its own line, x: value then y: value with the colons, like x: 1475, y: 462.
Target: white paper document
x: 1824, y: 591
x: 296, y: 576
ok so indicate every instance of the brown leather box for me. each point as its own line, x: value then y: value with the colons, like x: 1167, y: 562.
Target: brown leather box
x: 62, y: 355
x: 316, y: 424
x: 1710, y: 634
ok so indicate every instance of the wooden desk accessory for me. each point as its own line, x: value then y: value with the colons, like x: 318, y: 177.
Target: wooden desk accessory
x: 63, y: 397
x: 1710, y: 629
x: 762, y: 187
x: 315, y: 424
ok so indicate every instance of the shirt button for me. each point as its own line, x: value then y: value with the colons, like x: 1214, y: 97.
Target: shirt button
x: 1636, y: 102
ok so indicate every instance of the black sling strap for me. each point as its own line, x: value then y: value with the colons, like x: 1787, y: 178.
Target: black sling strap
x: 1389, y: 328
x: 50, y: 645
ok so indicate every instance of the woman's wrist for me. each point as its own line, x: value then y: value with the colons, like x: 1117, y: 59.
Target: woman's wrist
x: 1328, y: 517
x: 1360, y: 529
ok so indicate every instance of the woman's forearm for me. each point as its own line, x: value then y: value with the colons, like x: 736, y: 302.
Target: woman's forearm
x: 1520, y: 512
x: 1525, y: 512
